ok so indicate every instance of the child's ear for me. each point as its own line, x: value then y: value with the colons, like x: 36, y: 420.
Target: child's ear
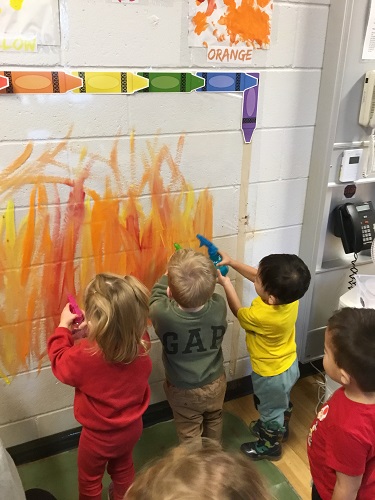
x: 345, y: 378
x: 169, y: 293
x: 272, y: 301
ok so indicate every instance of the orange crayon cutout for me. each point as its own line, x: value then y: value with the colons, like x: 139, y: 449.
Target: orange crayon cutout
x: 39, y: 82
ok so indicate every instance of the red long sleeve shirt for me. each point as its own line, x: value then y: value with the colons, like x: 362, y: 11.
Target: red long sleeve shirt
x: 342, y: 439
x: 108, y: 396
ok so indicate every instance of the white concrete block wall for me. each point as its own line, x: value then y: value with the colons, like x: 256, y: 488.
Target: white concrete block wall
x: 154, y: 35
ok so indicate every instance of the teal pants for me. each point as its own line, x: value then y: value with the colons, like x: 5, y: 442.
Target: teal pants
x: 273, y: 393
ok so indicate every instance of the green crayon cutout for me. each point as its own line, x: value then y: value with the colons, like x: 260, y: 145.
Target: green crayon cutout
x: 177, y: 246
x: 172, y: 82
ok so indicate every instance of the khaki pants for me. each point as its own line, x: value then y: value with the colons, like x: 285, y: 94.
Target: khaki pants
x: 198, y: 412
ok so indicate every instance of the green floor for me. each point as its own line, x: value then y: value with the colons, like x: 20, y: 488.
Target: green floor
x: 58, y: 474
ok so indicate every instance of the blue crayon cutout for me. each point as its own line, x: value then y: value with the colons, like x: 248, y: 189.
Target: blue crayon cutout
x: 226, y: 82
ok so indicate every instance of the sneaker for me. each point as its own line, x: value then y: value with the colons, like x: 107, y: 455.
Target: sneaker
x: 268, y: 445
x: 258, y: 450
x: 255, y: 425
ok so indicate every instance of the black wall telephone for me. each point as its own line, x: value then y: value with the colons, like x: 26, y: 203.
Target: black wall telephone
x: 354, y: 223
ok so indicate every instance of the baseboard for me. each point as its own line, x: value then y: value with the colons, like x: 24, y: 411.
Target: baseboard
x: 158, y: 412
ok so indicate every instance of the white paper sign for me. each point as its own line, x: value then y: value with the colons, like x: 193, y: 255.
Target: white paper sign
x: 241, y: 23
x: 38, y: 18
x: 232, y: 55
x: 125, y: 1
x: 369, y: 45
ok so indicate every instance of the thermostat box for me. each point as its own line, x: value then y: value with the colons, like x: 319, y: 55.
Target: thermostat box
x: 351, y: 165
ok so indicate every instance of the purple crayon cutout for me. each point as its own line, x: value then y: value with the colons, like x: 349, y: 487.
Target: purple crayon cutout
x: 249, y: 110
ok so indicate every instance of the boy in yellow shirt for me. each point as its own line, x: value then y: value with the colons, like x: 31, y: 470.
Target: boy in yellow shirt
x: 269, y: 322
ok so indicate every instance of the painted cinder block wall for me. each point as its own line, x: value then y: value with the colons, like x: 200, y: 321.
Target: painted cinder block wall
x: 101, y: 34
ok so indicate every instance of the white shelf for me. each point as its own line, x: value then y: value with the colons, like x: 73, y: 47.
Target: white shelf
x: 332, y: 265
x: 366, y: 180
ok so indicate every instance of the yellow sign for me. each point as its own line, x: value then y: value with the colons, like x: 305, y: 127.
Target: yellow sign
x: 11, y: 43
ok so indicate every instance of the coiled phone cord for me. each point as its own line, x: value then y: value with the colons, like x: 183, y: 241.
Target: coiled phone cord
x: 353, y: 272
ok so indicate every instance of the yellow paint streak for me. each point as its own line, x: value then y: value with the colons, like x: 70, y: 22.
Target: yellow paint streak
x: 28, y: 248
x: 16, y: 4
x: 126, y: 227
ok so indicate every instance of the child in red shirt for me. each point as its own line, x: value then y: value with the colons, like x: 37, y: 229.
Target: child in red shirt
x: 109, y: 370
x: 341, y: 442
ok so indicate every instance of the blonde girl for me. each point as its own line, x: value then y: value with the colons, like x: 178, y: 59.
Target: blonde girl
x: 193, y: 472
x: 109, y: 370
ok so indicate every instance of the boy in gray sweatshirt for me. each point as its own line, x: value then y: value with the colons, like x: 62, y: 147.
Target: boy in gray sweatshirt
x: 190, y: 320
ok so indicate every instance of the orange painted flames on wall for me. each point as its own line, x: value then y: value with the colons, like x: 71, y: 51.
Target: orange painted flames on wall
x: 128, y: 227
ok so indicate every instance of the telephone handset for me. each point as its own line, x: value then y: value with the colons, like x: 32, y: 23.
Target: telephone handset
x: 354, y: 223
x: 367, y: 111
x: 367, y: 118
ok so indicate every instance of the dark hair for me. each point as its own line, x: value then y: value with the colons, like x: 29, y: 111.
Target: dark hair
x: 285, y: 276
x: 353, y: 344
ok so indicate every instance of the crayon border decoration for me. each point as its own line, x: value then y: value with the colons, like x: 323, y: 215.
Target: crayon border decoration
x: 158, y: 81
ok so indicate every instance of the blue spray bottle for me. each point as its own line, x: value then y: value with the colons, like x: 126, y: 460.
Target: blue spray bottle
x: 213, y: 253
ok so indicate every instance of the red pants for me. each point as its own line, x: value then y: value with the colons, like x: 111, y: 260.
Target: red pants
x: 114, y: 449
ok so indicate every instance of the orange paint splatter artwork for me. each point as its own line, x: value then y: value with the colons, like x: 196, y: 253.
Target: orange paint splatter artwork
x: 68, y: 213
x: 230, y: 23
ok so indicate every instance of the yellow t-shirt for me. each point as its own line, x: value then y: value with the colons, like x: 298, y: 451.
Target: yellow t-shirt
x: 270, y: 335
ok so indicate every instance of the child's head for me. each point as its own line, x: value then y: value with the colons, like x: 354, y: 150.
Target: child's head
x: 189, y: 473
x: 284, y: 278
x: 116, y: 309
x: 191, y: 278
x: 349, y: 348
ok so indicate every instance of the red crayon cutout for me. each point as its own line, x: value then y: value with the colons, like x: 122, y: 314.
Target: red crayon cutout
x: 4, y: 82
x: 73, y: 306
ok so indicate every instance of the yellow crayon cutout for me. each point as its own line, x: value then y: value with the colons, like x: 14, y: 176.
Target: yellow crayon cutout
x: 113, y: 82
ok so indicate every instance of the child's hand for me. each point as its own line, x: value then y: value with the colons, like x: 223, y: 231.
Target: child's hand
x: 80, y: 331
x: 67, y: 317
x: 222, y: 280
x: 227, y: 260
